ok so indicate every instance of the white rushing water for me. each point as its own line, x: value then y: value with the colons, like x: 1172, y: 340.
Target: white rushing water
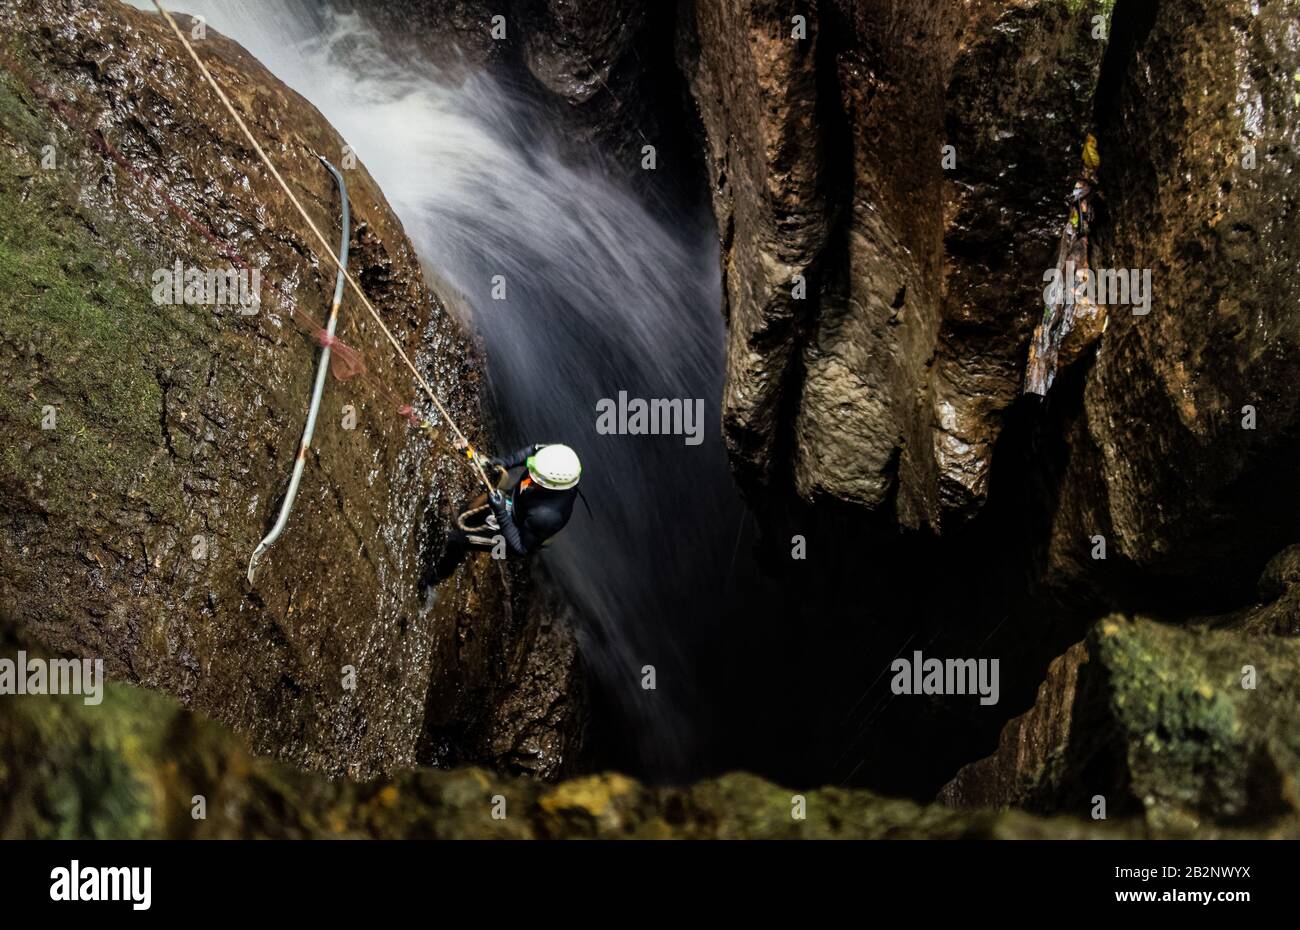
x: 603, y: 295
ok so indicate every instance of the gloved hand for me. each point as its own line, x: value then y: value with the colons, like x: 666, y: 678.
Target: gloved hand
x: 497, y: 462
x: 497, y: 500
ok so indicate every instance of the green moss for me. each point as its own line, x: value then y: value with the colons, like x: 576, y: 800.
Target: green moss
x: 85, y: 770
x: 78, y: 328
x: 131, y: 766
x: 1168, y: 697
x: 1105, y: 7
x: 1197, y: 742
x: 17, y: 118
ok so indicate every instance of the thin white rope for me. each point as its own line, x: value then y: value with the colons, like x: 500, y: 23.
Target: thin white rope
x: 325, y: 244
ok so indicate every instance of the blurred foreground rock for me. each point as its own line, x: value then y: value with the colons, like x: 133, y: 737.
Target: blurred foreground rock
x: 1186, y: 727
x: 134, y: 765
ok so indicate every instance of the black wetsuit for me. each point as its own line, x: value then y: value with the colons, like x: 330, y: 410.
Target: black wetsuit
x: 531, y: 514
x: 527, y: 516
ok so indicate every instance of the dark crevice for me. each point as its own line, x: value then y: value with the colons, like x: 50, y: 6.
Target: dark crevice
x: 1131, y: 22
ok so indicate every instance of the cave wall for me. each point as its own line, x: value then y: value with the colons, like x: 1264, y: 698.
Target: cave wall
x: 880, y: 379
x: 1199, y: 122
x: 176, y: 426
x: 888, y: 383
x: 887, y: 400
x: 1178, y: 726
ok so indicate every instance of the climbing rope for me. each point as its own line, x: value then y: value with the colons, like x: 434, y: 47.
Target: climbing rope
x: 471, y: 455
x: 327, y: 341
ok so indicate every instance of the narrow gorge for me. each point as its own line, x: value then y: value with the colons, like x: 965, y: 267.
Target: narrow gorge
x: 829, y: 224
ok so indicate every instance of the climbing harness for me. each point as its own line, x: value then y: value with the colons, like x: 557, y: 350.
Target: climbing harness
x: 327, y: 341
x: 478, y: 519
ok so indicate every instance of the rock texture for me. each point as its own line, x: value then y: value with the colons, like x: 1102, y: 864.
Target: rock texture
x: 131, y: 768
x: 127, y: 526
x: 1184, y: 727
x: 1200, y: 121
x: 908, y: 162
x: 879, y: 297
x: 572, y: 47
x: 885, y: 395
x: 1278, y: 610
x: 534, y: 716
x: 454, y: 34
x: 757, y: 92
x: 1016, y: 110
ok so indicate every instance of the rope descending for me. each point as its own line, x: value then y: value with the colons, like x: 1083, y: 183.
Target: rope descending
x: 327, y: 341
x: 472, y: 457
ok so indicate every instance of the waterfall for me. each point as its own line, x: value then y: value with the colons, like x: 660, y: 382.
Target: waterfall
x: 603, y: 295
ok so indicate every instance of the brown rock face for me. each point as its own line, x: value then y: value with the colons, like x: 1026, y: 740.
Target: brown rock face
x: 880, y: 288
x: 1017, y: 107
x: 449, y: 32
x: 1279, y: 590
x: 573, y: 47
x: 757, y: 93
x: 1032, y: 747
x: 1199, y: 140
x: 1186, y: 727
x: 884, y: 389
x: 534, y: 712
x: 127, y: 526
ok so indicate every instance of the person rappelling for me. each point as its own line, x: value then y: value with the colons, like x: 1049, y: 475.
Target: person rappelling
x: 536, y: 507
x: 514, y: 520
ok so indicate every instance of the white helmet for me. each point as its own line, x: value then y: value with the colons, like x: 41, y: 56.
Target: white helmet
x: 555, y: 467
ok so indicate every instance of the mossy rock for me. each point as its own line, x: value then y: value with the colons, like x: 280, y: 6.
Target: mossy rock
x: 137, y: 765
x: 1192, y: 728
